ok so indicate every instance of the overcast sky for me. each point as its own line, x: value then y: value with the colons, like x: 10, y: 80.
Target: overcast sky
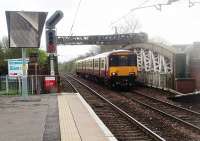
x: 175, y: 23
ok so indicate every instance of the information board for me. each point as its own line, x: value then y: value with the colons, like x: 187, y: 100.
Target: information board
x: 15, y: 67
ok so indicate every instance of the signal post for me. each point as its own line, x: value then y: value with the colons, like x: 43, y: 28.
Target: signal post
x: 51, y: 45
x: 51, y: 40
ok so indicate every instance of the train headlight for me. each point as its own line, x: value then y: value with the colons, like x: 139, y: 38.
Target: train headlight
x: 131, y: 73
x: 114, y: 74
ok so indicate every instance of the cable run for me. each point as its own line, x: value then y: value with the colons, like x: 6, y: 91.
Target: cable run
x: 138, y: 7
x: 75, y: 16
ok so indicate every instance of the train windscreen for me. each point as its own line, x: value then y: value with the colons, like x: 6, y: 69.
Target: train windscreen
x: 123, y: 60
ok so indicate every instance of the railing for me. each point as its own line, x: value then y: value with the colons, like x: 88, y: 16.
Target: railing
x: 13, y: 85
x: 156, y: 79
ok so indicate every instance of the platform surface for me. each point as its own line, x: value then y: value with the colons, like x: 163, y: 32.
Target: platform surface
x: 78, y: 122
x: 66, y: 117
x: 23, y: 120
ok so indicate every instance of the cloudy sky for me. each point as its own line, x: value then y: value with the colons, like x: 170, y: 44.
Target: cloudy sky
x: 175, y: 23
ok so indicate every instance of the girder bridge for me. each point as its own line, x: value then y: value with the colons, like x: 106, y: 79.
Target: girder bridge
x: 115, y: 39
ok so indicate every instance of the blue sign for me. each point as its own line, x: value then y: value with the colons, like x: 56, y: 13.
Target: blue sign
x: 15, y: 67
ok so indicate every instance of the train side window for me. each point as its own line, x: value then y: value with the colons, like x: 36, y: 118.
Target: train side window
x: 102, y: 63
x: 87, y: 64
x: 96, y: 64
x: 84, y: 64
x: 91, y: 64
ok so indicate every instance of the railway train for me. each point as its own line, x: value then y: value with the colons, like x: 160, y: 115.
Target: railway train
x: 116, y: 68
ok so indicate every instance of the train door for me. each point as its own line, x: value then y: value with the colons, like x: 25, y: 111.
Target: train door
x: 105, y: 67
x: 102, y: 67
x: 99, y: 67
x: 96, y: 71
x: 82, y: 67
x: 84, y: 63
x: 92, y: 66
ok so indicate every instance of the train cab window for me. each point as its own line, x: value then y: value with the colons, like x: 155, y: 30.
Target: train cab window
x: 132, y: 60
x: 123, y: 60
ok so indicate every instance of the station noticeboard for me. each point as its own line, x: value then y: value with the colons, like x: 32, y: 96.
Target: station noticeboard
x: 15, y: 67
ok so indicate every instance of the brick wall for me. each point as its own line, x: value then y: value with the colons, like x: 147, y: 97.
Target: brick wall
x: 194, y: 64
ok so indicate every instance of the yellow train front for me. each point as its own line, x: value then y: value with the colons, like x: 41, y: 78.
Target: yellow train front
x: 115, y: 68
x: 122, y: 68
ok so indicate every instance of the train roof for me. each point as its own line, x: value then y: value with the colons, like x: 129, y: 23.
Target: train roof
x: 102, y: 55
x: 106, y: 54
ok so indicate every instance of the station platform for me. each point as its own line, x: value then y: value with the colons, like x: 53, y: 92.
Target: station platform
x: 50, y: 117
x: 78, y: 122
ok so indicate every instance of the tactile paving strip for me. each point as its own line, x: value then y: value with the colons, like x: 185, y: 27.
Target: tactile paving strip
x: 68, y: 129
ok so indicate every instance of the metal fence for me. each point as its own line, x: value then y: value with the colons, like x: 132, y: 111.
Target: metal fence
x: 13, y: 85
x: 157, y: 80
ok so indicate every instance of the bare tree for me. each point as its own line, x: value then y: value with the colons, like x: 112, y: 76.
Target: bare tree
x: 160, y: 41
x: 5, y: 42
x: 130, y: 24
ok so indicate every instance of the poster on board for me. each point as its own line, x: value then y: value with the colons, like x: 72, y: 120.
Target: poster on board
x: 15, y: 67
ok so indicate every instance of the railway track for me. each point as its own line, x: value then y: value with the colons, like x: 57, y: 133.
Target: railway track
x: 122, y: 125
x: 185, y: 116
x: 66, y: 86
x: 163, y: 95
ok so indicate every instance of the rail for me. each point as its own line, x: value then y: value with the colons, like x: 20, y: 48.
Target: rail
x: 195, y: 127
